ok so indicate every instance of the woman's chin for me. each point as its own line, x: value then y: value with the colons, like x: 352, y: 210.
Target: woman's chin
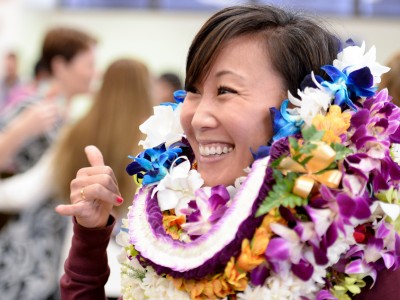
x: 215, y: 177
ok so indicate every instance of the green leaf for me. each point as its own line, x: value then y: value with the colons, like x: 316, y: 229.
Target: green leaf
x: 134, y: 273
x: 341, y: 151
x: 312, y: 134
x: 389, y: 196
x: 305, y: 160
x: 294, y: 144
x: 275, y: 164
x: 281, y: 194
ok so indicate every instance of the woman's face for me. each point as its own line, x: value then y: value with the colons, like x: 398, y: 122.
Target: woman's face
x: 227, y: 114
x: 76, y: 76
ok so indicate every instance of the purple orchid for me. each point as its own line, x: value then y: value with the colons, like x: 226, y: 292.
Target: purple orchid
x: 377, y: 249
x: 208, y: 207
x: 373, y: 128
x: 259, y: 274
x: 325, y: 295
x: 287, y: 250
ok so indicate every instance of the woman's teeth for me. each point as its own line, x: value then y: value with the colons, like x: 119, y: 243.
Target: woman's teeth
x: 214, y: 150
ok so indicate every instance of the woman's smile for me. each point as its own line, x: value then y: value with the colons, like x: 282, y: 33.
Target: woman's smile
x: 215, y: 149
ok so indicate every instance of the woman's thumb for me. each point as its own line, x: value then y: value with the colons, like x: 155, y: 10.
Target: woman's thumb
x: 94, y: 156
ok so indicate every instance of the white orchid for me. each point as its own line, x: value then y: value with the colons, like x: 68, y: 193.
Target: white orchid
x: 178, y: 187
x: 313, y: 101
x: 381, y: 208
x: 395, y: 152
x: 163, y: 126
x: 157, y: 287
x: 354, y: 58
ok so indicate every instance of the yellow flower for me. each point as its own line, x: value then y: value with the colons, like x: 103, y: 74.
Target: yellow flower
x: 208, y: 288
x: 235, y: 276
x: 247, y: 259
x: 197, y: 290
x: 335, y: 123
x: 220, y: 286
x: 237, y: 279
x: 172, y: 224
x: 263, y: 233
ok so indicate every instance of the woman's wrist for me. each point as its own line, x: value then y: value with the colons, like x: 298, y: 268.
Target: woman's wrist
x: 110, y: 221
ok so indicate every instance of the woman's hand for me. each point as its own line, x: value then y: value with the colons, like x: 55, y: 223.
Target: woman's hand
x: 94, y: 191
x: 38, y: 118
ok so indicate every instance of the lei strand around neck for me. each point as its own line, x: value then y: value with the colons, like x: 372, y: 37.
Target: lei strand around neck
x: 316, y: 214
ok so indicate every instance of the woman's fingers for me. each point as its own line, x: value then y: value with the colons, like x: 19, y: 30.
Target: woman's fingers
x: 98, y: 189
x: 98, y: 170
x: 69, y: 210
x: 90, y: 214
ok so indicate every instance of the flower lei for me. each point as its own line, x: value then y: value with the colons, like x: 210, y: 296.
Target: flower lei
x: 313, y: 218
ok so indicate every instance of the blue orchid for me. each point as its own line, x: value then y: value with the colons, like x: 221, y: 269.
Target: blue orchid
x: 262, y: 151
x: 153, y: 164
x: 179, y: 96
x: 348, y: 87
x: 284, y: 124
x: 171, y: 104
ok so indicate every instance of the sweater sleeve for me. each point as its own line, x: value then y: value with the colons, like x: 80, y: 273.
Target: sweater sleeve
x: 86, y: 268
x: 37, y: 186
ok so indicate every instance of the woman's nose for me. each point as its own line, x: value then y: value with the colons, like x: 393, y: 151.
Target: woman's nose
x: 205, y: 115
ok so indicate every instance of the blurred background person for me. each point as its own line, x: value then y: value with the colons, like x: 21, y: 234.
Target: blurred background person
x: 68, y: 55
x: 32, y: 125
x: 123, y: 98
x: 40, y: 77
x: 34, y: 121
x: 391, y: 79
x: 164, y: 87
x: 10, y: 76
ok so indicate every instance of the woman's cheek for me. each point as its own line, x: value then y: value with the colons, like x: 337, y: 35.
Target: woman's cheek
x: 186, y: 117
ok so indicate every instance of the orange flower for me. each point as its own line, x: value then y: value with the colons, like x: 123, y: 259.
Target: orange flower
x: 247, y: 259
x: 172, y: 224
x: 197, y: 290
x: 335, y: 123
x: 263, y: 233
x: 205, y: 289
x: 220, y: 286
x: 237, y: 279
x: 260, y: 241
x: 235, y: 276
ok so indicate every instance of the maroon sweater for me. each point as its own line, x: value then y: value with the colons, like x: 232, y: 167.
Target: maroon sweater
x: 86, y: 269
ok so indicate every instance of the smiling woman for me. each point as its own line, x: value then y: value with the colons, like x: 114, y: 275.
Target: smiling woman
x: 243, y: 197
x: 216, y: 112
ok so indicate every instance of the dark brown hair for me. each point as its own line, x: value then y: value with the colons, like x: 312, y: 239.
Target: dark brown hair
x: 64, y: 42
x: 295, y: 43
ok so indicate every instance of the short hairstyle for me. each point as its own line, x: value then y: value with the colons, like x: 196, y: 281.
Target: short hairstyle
x: 64, y: 42
x: 172, y: 79
x: 295, y: 43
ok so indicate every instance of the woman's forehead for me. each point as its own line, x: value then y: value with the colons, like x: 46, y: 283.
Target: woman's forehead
x: 238, y: 55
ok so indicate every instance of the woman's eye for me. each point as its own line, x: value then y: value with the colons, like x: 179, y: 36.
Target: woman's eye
x: 192, y: 90
x: 225, y: 90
